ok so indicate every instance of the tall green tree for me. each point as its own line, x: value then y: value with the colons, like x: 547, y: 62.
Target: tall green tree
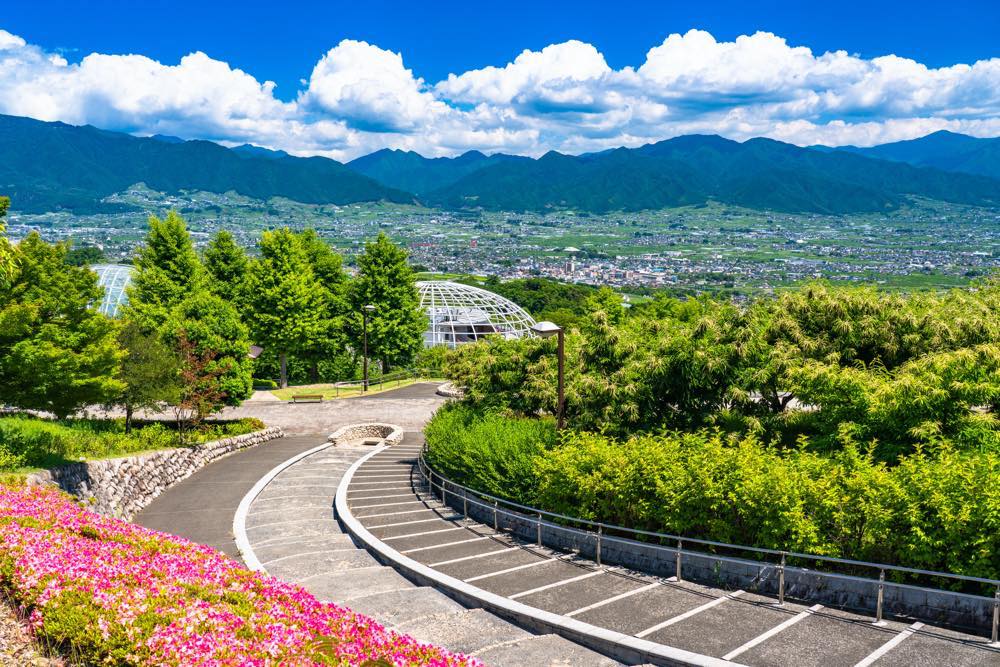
x: 149, y: 370
x: 227, y: 266
x: 331, y: 342
x: 56, y: 353
x: 286, y: 302
x: 7, y: 255
x: 216, y: 334
x: 386, y: 281
x: 167, y: 271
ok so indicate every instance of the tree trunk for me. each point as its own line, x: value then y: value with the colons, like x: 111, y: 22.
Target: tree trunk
x: 314, y: 372
x: 283, y: 358
x: 128, y: 419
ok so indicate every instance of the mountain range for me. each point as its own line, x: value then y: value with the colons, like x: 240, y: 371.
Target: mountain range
x: 940, y: 150
x: 52, y: 166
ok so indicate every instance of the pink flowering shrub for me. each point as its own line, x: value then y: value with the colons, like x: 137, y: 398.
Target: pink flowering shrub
x: 112, y: 593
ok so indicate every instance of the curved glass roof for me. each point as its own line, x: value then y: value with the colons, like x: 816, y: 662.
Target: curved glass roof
x: 114, y: 278
x: 463, y: 314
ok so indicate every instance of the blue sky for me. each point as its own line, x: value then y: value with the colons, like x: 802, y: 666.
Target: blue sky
x: 596, y: 75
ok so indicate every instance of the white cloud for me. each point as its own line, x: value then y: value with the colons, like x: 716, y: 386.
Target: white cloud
x: 360, y: 97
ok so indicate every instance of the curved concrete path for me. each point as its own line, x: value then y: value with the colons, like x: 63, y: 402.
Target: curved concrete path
x: 290, y: 528
x: 386, y: 496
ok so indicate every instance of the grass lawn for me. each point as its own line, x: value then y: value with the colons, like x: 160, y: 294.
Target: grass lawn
x: 329, y: 391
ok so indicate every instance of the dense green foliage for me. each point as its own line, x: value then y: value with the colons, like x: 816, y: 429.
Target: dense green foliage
x: 490, y: 452
x: 149, y: 371
x: 838, y: 421
x: 29, y: 442
x: 758, y: 174
x: 895, y: 370
x: 56, y: 353
x: 85, y: 255
x: 51, y: 166
x: 6, y: 251
x: 386, y: 281
x: 167, y: 271
x: 931, y: 510
x: 546, y: 299
x: 287, y: 303
x: 227, y: 266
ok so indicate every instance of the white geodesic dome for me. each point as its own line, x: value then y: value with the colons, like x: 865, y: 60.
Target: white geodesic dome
x: 464, y: 314
x: 113, y: 278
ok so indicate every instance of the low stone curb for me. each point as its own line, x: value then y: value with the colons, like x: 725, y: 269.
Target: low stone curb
x: 122, y: 486
x: 449, y: 390
x: 614, y: 644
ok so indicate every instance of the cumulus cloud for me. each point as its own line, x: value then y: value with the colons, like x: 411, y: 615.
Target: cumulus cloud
x: 360, y: 97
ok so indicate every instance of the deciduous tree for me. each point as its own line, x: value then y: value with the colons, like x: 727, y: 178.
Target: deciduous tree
x: 386, y: 281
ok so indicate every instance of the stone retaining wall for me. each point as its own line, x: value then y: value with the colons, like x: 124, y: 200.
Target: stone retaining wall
x: 388, y: 434
x: 123, y: 486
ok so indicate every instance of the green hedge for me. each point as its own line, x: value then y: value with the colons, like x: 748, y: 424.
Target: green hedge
x: 490, y: 453
x: 937, y: 509
x: 30, y: 442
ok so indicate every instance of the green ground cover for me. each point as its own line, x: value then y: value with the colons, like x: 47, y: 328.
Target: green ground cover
x: 28, y: 442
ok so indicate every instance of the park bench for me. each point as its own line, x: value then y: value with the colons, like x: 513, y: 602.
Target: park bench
x: 307, y: 398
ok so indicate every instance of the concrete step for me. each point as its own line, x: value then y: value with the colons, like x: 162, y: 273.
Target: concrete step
x: 465, y: 631
x: 543, y: 651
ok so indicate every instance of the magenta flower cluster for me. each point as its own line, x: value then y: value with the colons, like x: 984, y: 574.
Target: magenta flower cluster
x: 110, y: 592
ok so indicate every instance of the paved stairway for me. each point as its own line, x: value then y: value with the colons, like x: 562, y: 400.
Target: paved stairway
x: 293, y: 533
x: 386, y: 496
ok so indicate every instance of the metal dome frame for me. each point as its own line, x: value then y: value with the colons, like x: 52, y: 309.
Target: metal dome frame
x: 461, y: 314
x: 114, y: 279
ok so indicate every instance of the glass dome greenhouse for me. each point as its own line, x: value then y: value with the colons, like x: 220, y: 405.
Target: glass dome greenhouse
x: 464, y: 314
x: 113, y: 278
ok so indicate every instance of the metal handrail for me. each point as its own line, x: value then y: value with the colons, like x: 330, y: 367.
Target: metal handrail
x: 429, y: 473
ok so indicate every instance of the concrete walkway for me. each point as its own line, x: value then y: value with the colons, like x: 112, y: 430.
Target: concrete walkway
x: 387, y: 497
x: 292, y: 531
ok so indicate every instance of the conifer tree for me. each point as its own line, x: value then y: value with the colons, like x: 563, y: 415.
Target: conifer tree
x: 285, y: 300
x: 386, y: 281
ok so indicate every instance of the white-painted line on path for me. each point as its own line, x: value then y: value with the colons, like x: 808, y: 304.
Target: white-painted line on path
x: 616, y: 598
x: 447, y: 544
x: 396, y: 513
x: 405, y: 502
x: 379, y: 496
x: 428, y: 532
x: 473, y: 557
x: 889, y: 645
x: 688, y: 614
x: 383, y: 482
x: 759, y: 639
x: 398, y: 475
x: 544, y: 561
x: 407, y: 523
x: 556, y: 585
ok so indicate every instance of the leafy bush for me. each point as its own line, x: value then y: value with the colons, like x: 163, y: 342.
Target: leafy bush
x: 261, y: 383
x: 934, y: 509
x: 490, y: 453
x: 112, y: 593
x: 27, y: 441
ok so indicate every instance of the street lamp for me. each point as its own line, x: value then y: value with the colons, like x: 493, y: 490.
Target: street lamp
x: 365, y: 312
x: 547, y: 330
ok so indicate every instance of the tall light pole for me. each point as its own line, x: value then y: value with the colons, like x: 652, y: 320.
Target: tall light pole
x: 365, y: 312
x: 547, y: 330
